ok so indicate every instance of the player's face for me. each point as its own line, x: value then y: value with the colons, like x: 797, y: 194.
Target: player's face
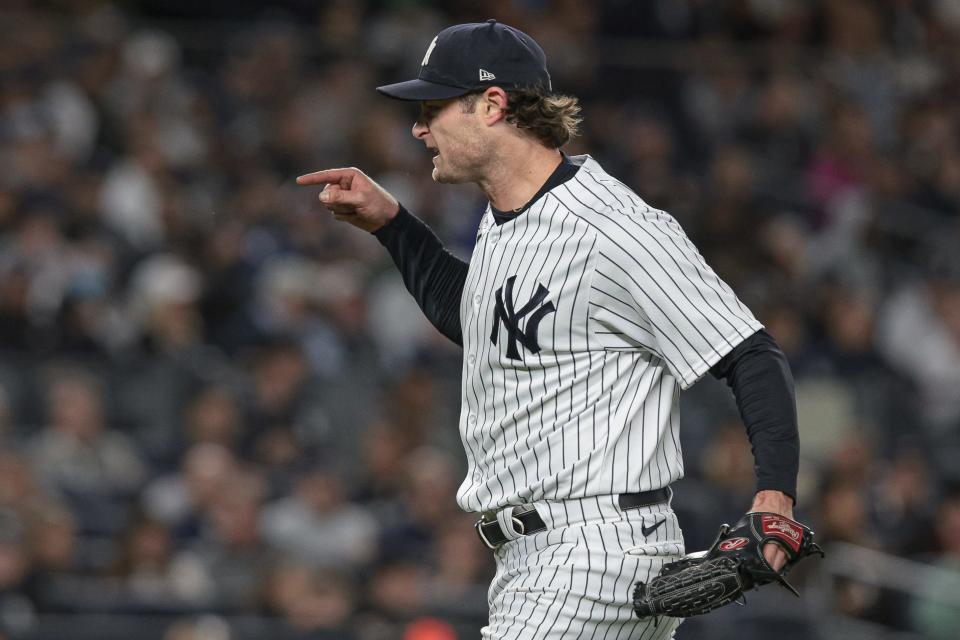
x: 453, y: 133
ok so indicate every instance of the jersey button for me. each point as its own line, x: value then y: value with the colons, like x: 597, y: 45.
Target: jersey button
x: 471, y: 419
x: 472, y: 359
x: 477, y: 299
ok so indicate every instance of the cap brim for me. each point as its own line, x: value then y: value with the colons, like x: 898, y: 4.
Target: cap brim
x: 421, y: 90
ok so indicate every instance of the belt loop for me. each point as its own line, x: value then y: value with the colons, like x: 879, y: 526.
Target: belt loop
x: 511, y: 527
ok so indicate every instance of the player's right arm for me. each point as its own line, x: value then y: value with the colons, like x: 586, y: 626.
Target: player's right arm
x: 431, y: 274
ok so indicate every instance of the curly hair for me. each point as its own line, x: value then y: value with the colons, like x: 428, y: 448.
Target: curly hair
x: 551, y: 118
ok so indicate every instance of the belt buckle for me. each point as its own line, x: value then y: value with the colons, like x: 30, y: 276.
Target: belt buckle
x: 478, y: 526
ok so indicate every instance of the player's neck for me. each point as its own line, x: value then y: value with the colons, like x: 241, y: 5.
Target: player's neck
x: 518, y: 174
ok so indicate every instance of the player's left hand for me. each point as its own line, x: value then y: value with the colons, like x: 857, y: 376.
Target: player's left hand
x: 735, y: 563
x: 774, y: 502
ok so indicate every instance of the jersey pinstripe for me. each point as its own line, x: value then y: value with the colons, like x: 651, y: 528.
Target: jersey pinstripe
x: 582, y: 320
x: 573, y: 580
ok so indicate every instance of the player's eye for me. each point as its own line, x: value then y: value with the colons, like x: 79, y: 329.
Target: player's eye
x: 427, y: 114
x: 429, y: 111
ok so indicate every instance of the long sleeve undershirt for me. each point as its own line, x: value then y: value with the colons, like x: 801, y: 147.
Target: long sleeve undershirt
x: 756, y: 370
x: 433, y: 275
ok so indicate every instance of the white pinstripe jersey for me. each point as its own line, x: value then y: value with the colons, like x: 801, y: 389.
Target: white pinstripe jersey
x: 582, y: 319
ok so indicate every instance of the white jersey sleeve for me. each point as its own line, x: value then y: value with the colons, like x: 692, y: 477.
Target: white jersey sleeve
x: 654, y: 291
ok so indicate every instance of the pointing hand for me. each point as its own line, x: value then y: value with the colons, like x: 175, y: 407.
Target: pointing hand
x: 353, y: 197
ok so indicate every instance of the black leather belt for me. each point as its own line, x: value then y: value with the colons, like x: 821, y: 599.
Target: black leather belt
x: 526, y: 520
x: 629, y: 501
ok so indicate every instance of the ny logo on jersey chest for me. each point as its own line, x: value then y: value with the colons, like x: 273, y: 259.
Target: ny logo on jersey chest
x: 505, y: 312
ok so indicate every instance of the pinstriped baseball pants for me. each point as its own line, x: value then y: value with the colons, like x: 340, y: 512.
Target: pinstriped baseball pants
x: 575, y: 579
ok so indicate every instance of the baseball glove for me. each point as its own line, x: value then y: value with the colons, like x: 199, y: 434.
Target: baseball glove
x: 704, y: 581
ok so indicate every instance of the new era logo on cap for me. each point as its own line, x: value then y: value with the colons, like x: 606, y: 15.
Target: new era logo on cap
x: 458, y: 60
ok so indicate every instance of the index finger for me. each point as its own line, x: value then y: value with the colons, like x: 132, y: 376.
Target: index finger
x: 343, y: 177
x: 774, y: 555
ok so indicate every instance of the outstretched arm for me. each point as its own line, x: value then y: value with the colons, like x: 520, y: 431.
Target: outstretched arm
x: 759, y: 375
x: 434, y: 276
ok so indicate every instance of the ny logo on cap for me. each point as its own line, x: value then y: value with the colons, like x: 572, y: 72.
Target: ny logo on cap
x: 486, y: 75
x: 426, y: 56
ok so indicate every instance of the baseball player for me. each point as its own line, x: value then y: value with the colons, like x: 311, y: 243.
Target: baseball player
x: 582, y: 314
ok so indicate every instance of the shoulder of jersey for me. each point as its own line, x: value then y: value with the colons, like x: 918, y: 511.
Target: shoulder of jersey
x: 606, y: 203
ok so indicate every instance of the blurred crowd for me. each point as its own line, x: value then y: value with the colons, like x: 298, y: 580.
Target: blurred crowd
x: 222, y: 417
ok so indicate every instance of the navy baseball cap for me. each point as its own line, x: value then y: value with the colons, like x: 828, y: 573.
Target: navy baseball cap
x: 472, y: 57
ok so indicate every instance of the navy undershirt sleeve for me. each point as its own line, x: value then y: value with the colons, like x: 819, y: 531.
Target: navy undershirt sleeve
x: 759, y: 375
x: 433, y: 275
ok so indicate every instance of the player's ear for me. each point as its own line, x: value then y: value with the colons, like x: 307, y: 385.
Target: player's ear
x: 493, y: 105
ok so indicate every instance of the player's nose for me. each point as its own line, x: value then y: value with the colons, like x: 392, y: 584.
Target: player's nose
x: 419, y: 130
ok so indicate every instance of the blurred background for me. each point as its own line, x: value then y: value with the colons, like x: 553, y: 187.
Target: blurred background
x: 222, y: 417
